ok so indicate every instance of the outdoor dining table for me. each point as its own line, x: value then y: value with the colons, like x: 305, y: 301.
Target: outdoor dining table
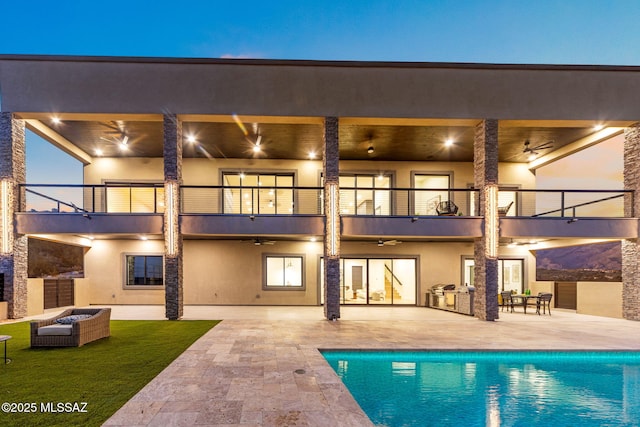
x: 524, y: 300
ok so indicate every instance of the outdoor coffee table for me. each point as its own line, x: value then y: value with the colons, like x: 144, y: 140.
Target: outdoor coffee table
x: 5, y: 338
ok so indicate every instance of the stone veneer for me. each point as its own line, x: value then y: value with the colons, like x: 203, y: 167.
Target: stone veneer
x: 173, y: 263
x: 630, y: 249
x: 485, y: 148
x: 13, y: 263
x: 331, y: 174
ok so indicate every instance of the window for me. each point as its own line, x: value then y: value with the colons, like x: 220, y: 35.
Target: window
x: 365, y: 194
x: 510, y: 274
x: 258, y: 193
x: 132, y: 197
x: 143, y: 270
x: 283, y: 272
x: 430, y: 190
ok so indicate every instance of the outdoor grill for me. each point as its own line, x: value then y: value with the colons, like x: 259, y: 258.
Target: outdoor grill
x: 440, y: 288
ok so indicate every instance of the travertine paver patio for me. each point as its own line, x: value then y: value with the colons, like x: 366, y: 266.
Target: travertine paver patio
x: 261, y: 365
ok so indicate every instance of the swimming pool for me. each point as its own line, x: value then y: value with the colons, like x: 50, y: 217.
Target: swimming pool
x: 487, y: 388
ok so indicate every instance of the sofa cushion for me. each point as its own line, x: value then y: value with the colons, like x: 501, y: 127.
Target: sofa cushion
x: 55, y: 330
x: 67, y: 320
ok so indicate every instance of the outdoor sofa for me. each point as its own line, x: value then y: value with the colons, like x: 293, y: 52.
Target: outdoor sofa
x: 71, y: 328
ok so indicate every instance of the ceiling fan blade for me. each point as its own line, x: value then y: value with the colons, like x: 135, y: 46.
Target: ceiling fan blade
x: 240, y: 124
x: 544, y: 146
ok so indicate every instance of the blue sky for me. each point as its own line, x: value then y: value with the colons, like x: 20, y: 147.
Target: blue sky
x: 504, y: 31
x: 492, y: 31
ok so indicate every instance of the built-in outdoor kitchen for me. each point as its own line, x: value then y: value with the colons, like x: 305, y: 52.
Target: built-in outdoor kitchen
x: 451, y: 298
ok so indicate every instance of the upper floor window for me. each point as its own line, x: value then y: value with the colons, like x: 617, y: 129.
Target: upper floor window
x: 365, y: 194
x: 134, y: 197
x: 258, y: 193
x: 430, y: 190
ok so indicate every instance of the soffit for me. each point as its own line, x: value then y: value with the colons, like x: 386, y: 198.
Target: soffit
x: 281, y: 140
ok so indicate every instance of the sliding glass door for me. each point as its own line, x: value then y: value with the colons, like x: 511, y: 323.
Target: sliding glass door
x: 377, y: 281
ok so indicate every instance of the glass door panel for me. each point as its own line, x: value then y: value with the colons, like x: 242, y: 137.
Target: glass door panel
x: 512, y: 275
x: 403, y: 275
x: 380, y: 283
x: 354, y: 273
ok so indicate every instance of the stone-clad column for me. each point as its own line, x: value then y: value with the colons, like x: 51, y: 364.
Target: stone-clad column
x: 13, y: 247
x: 173, y: 261
x: 331, y: 174
x: 630, y: 248
x: 485, y: 163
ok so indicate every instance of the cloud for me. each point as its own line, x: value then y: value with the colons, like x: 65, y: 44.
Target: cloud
x: 241, y: 56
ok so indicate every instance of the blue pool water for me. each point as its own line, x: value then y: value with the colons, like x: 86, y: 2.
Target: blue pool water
x: 444, y: 388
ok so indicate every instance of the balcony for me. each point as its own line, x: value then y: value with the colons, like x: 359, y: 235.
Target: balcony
x: 298, y: 211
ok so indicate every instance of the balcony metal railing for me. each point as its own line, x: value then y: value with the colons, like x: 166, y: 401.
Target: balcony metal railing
x: 105, y: 198
x: 223, y: 200
x: 309, y: 200
x: 572, y: 203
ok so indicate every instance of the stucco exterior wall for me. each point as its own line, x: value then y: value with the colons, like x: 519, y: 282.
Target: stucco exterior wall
x: 230, y: 272
x: 208, y: 171
x: 600, y: 299
x: 35, y: 296
x: 82, y: 292
x: 104, y: 271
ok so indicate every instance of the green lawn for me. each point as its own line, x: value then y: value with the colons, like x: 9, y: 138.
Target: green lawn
x: 104, y: 374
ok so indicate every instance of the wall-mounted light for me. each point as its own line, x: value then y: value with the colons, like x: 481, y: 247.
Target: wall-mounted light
x: 5, y: 217
x: 491, y: 220
x: 332, y: 219
x: 171, y: 209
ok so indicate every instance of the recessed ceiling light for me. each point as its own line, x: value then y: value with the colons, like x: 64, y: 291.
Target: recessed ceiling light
x: 314, y: 239
x: 143, y: 238
x: 191, y: 139
x: 448, y: 142
x: 123, y: 147
x: 598, y: 127
x: 312, y: 155
x: 55, y: 120
x: 99, y: 152
x: 256, y: 148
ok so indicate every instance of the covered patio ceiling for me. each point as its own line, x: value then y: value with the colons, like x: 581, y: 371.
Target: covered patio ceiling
x: 296, y: 138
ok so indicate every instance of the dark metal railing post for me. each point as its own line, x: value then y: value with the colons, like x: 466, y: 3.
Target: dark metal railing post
x: 562, y: 204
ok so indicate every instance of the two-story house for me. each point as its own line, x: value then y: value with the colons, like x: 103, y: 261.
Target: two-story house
x: 265, y: 182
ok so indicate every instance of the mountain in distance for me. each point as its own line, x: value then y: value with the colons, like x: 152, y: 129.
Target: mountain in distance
x: 593, y: 262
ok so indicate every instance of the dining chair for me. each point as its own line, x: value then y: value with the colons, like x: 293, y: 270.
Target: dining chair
x: 544, y: 301
x: 506, y: 300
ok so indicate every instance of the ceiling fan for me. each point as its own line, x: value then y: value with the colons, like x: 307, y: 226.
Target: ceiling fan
x: 117, y: 134
x: 254, y: 137
x: 259, y: 242
x: 533, y: 151
x: 388, y: 242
